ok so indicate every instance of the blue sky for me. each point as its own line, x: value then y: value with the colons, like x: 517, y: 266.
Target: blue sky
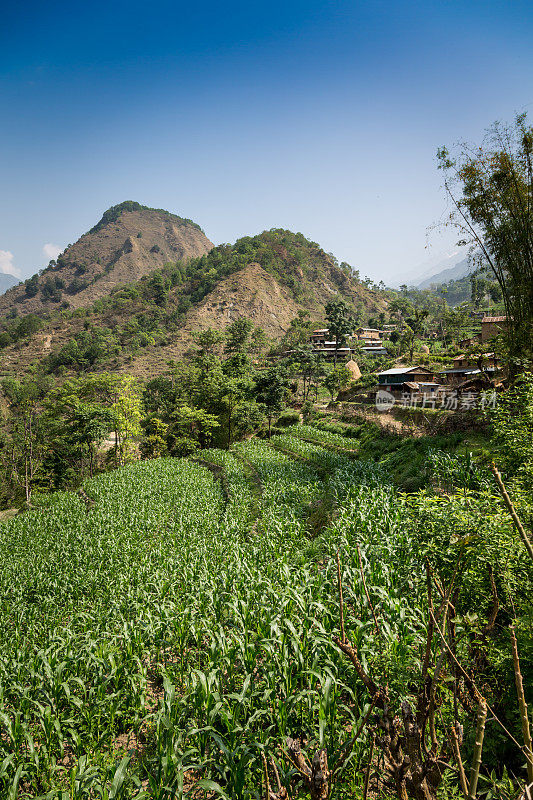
x: 321, y: 117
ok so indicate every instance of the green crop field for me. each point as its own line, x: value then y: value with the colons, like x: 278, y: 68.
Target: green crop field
x: 173, y: 624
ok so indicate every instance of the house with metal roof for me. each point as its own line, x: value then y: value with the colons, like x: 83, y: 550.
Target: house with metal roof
x: 464, y: 368
x: 397, y: 375
x: 396, y: 379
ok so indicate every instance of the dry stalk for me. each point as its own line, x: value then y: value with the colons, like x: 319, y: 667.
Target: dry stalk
x: 316, y: 776
x: 459, y: 760
x: 369, y: 768
x: 523, y: 707
x: 265, y: 775
x: 282, y: 793
x: 474, y: 689
x: 512, y: 511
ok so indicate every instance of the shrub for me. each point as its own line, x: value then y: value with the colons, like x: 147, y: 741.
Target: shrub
x: 28, y: 325
x: 288, y: 418
x: 32, y: 286
x: 77, y: 285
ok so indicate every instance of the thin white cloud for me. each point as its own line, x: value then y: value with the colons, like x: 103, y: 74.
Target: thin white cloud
x: 6, y: 263
x: 51, y: 251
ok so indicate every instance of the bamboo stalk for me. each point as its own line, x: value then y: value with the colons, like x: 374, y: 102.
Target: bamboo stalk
x: 523, y: 707
x: 475, y: 690
x: 511, y: 509
x: 460, y: 766
x: 478, y: 747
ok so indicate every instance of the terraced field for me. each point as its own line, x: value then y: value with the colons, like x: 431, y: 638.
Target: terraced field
x: 164, y: 633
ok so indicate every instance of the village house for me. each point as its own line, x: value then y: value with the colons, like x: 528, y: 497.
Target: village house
x: 369, y: 335
x: 375, y: 351
x: 371, y: 345
x: 467, y: 368
x: 492, y: 326
x: 408, y: 380
x: 319, y: 336
x: 327, y: 350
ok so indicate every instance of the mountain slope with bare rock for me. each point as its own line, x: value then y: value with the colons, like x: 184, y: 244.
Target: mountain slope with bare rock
x: 136, y: 325
x: 130, y: 241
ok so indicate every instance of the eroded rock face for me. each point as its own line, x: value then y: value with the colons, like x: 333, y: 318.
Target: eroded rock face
x: 116, y: 251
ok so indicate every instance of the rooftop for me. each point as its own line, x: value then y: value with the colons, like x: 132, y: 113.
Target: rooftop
x: 494, y: 319
x: 465, y: 371
x: 403, y: 370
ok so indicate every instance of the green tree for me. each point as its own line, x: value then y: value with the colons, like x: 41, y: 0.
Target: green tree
x: 207, y: 341
x: 26, y: 435
x: 31, y: 287
x: 238, y: 336
x: 338, y: 378
x: 159, y: 289
x: 234, y: 396
x: 159, y: 396
x: 491, y: 188
x: 258, y: 341
x: 307, y: 362
x: 189, y: 429
x: 78, y: 423
x: 455, y: 322
x: 28, y: 325
x: 84, y: 350
x: 340, y: 323
x: 299, y: 331
x: 417, y: 320
x: 495, y: 293
x: 154, y: 439
x: 270, y: 389
x: 512, y: 421
x: 408, y: 341
x: 127, y: 414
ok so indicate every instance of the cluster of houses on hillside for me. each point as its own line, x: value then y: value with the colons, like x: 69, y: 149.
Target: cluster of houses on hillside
x: 469, y: 375
x: 367, y: 340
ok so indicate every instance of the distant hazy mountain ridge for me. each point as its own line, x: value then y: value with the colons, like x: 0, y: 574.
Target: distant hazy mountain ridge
x: 460, y: 270
x: 7, y: 281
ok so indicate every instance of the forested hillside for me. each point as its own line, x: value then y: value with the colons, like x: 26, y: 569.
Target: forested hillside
x: 138, y: 326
